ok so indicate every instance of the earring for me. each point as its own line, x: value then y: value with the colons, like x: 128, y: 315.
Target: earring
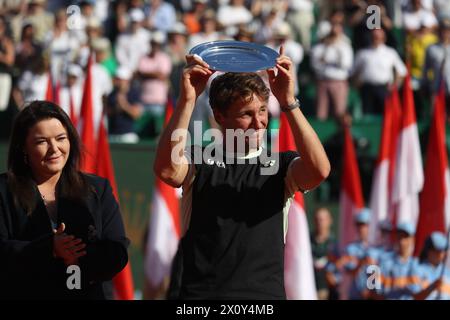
x: 25, y: 158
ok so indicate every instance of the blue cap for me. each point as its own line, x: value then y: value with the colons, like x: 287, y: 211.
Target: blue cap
x: 438, y: 240
x: 407, y: 227
x: 385, y: 225
x: 363, y: 216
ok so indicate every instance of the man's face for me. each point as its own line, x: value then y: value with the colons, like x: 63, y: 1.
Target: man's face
x: 363, y: 231
x: 378, y: 36
x: 436, y: 256
x: 322, y: 220
x: 71, y: 80
x: 246, y: 115
x: 336, y: 29
x: 405, y: 243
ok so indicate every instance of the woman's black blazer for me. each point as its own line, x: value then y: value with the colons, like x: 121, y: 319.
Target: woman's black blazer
x: 28, y: 269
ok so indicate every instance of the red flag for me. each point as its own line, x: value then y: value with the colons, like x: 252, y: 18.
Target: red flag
x: 408, y: 178
x: 49, y: 91
x: 72, y: 112
x: 434, y: 208
x: 299, y: 280
x: 87, y: 124
x: 351, y: 197
x: 382, y: 183
x: 164, y: 229
x: 123, y: 281
x: 57, y: 92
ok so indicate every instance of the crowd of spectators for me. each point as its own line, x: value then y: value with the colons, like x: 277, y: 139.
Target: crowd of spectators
x: 338, y: 47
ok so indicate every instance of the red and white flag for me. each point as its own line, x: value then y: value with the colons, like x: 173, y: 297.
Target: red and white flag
x: 434, y: 199
x: 97, y: 160
x: 72, y: 111
x: 383, y: 176
x: 86, y: 125
x: 123, y: 281
x: 164, y: 229
x: 52, y: 92
x: 408, y: 177
x: 299, y: 279
x: 351, y: 197
x: 350, y: 203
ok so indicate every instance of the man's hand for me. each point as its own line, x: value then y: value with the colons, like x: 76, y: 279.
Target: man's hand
x: 67, y: 247
x: 281, y: 80
x: 194, y: 79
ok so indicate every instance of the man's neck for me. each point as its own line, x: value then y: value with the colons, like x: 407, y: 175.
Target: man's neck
x: 404, y: 256
x: 377, y: 45
x: 322, y: 236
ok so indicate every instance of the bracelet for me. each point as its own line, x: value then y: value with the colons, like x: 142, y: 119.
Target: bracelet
x: 291, y: 106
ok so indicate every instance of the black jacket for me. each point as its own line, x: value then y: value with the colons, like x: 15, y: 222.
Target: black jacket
x: 28, y: 269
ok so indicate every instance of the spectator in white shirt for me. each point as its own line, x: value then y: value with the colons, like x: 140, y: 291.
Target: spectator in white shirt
x: 301, y: 18
x: 61, y: 45
x: 282, y: 36
x: 417, y: 16
x: 376, y: 69
x: 72, y: 93
x: 442, y: 9
x: 135, y: 44
x: 6, y: 65
x: 233, y: 15
x: 33, y: 83
x: 208, y: 31
x: 264, y: 32
x: 94, y: 32
x: 161, y: 16
x: 332, y: 60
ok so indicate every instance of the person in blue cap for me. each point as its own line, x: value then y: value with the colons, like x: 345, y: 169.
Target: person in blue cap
x: 384, y: 249
x: 401, y: 275
x: 436, y: 280
x: 356, y: 253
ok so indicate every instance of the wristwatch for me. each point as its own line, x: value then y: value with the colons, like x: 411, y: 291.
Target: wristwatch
x: 292, y: 106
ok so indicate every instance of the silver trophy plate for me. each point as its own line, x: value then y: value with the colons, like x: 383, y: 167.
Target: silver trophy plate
x: 236, y: 56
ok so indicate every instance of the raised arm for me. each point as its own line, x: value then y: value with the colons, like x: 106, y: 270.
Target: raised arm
x: 173, y: 169
x: 313, y: 166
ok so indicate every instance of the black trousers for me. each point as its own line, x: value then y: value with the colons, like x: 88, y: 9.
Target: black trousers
x: 373, y: 97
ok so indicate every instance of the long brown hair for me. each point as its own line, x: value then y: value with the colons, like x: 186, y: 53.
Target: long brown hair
x: 72, y: 183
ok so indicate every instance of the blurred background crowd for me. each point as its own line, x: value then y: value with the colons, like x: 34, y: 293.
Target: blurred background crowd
x: 343, y: 66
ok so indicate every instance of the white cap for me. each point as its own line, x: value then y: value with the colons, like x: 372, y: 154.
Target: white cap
x: 178, y: 28
x: 75, y: 70
x: 158, y: 37
x: 101, y: 44
x: 282, y: 30
x: 429, y: 21
x: 136, y: 15
x: 323, y: 29
x: 123, y: 73
x: 93, y: 22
